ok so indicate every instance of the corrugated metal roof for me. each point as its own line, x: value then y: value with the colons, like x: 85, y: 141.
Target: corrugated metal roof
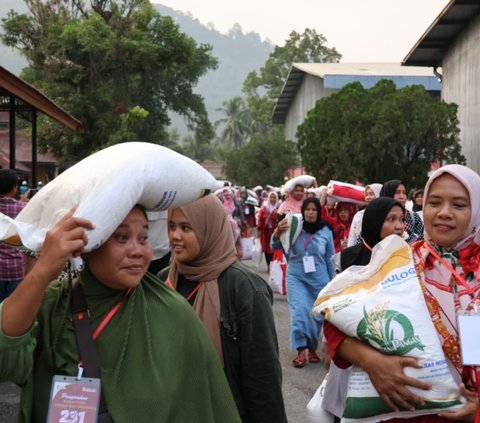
x: 336, y: 74
x: 432, y: 46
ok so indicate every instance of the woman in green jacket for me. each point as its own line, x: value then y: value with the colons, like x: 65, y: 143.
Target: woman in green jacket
x: 234, y: 303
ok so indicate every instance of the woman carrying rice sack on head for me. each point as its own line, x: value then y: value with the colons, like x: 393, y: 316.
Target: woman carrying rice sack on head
x: 355, y: 235
x: 309, y: 269
x: 293, y: 202
x: 448, y: 266
x: 145, y: 336
x: 233, y: 302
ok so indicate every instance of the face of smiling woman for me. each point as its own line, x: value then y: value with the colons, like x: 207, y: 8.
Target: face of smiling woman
x: 447, y: 211
x: 183, y: 241
x: 123, y: 259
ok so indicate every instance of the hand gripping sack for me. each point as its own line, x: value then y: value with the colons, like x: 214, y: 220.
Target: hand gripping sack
x: 106, y: 185
x: 382, y: 303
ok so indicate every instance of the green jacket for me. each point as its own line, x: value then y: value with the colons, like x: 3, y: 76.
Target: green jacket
x: 249, y: 343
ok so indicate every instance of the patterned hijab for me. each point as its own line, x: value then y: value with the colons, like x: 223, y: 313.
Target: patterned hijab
x: 217, y: 251
x: 443, y: 294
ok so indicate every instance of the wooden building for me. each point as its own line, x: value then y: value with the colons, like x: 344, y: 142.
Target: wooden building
x: 20, y: 99
x: 451, y: 47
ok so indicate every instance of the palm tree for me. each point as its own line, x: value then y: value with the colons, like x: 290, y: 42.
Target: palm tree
x: 236, y: 124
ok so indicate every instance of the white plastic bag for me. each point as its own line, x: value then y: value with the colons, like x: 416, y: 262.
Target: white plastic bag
x: 257, y: 253
x: 247, y: 248
x: 316, y: 413
x: 106, y: 186
x: 277, y: 274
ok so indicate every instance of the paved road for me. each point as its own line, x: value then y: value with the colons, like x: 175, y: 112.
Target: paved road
x: 298, y: 384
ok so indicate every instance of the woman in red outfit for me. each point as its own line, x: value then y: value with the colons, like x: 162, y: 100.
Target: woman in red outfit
x: 267, y: 222
x: 448, y: 264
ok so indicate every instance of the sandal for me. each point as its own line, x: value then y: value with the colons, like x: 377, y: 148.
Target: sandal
x: 313, y: 356
x: 300, y: 360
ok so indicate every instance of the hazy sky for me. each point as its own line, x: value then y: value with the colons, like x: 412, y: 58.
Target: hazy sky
x: 361, y: 30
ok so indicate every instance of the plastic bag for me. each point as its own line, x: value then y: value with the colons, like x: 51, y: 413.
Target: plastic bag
x: 316, y: 413
x: 257, y: 253
x: 247, y: 248
x: 277, y: 274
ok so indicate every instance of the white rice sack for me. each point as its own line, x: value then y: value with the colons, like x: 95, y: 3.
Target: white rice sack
x: 304, y: 180
x: 295, y: 226
x: 382, y: 303
x: 345, y: 192
x: 106, y: 186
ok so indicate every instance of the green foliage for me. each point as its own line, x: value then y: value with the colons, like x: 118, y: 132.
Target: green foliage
x: 237, y: 123
x: 263, y: 160
x: 263, y: 88
x: 118, y: 67
x: 379, y: 134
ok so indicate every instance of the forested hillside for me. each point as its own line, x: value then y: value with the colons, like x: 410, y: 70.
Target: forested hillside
x: 237, y: 54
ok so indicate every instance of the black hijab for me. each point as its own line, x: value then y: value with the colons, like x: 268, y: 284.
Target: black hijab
x: 390, y: 187
x: 372, y: 223
x: 311, y: 228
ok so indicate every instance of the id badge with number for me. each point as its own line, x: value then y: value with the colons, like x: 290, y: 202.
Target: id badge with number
x: 74, y: 400
x: 468, y: 327
x: 308, y: 264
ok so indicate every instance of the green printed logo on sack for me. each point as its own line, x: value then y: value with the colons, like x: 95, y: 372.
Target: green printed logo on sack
x: 391, y: 330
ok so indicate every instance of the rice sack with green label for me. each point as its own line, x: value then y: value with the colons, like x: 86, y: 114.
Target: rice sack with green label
x: 383, y: 304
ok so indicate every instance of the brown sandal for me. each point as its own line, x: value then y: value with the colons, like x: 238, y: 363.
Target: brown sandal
x: 300, y: 360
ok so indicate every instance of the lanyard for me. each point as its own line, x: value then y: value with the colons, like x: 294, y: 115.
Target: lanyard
x: 459, y: 278
x: 110, y: 314
x: 306, y: 244
x: 366, y: 245
x: 194, y: 291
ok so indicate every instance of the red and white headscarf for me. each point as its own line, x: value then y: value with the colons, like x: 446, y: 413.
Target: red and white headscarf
x: 464, y: 257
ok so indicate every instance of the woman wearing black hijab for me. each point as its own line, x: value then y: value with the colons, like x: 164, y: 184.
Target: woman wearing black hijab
x: 413, y: 222
x: 383, y: 216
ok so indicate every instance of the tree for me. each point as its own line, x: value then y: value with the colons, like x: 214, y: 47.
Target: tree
x: 263, y: 88
x: 118, y: 67
x: 263, y: 160
x: 236, y: 124
x: 379, y: 134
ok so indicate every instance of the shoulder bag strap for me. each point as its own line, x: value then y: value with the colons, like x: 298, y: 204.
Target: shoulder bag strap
x: 80, y: 315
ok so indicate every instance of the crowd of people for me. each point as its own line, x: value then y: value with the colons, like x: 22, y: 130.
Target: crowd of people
x: 196, y: 339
